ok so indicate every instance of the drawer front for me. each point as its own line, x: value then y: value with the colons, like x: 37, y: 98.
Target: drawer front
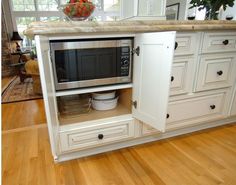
x: 185, y: 43
x: 181, y: 76
x: 216, y: 72
x: 93, y: 136
x: 219, y: 42
x: 199, y: 108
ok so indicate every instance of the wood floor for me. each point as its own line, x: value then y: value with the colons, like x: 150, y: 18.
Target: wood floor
x: 5, y: 82
x: 203, y: 158
x: 23, y: 114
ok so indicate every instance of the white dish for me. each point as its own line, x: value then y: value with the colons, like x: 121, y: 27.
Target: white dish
x: 104, y: 104
x: 104, y: 95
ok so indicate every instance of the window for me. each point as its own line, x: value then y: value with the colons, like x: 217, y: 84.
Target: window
x: 26, y: 11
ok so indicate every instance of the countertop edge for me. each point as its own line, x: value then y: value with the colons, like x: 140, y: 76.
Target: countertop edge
x: 56, y: 28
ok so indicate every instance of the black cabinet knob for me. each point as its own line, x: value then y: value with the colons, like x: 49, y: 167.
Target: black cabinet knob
x: 167, y: 116
x: 220, y: 72
x: 172, y: 78
x: 100, y: 136
x: 225, y: 42
x: 212, y: 107
x: 176, y: 45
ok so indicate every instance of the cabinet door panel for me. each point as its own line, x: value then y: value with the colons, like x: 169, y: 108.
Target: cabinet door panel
x: 181, y: 76
x: 152, y: 69
x: 186, y: 43
x: 47, y: 81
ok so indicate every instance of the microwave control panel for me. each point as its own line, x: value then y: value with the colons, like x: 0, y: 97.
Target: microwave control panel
x: 125, y: 61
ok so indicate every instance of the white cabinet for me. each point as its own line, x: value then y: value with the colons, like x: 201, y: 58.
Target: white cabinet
x: 95, y: 134
x: 186, y: 43
x: 233, y: 103
x: 216, y: 71
x: 151, y: 79
x: 48, y: 88
x: 142, y: 9
x: 197, y: 89
x: 181, y: 75
x: 197, y: 109
x: 215, y: 42
x: 202, y: 79
x: 149, y: 93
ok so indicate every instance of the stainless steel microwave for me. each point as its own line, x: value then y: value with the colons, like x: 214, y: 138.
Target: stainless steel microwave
x: 91, y: 62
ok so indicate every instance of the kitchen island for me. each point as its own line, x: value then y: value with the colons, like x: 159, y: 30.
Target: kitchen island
x: 182, y: 82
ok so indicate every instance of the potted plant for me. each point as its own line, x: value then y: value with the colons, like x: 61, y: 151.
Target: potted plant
x: 212, y: 6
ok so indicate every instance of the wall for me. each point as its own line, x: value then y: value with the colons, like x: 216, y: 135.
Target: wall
x: 230, y: 11
x: 182, y: 9
x: 7, y: 70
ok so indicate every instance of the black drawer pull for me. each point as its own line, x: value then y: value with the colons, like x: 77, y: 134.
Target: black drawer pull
x: 167, y: 116
x: 176, y: 45
x: 212, y: 107
x: 220, y: 73
x: 100, y: 136
x: 225, y: 42
x: 172, y: 78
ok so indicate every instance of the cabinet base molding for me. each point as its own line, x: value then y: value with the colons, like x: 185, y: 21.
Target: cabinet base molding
x: 142, y: 140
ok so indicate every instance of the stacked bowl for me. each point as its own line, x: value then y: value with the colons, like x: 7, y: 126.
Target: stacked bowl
x: 104, y: 100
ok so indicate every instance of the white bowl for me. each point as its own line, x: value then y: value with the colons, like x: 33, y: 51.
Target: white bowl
x: 104, y: 95
x: 104, y: 104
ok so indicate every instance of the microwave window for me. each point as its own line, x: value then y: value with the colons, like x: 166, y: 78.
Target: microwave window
x: 86, y: 64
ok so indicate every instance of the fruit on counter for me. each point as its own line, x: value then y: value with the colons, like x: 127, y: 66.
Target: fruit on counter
x: 78, y: 1
x: 79, y: 8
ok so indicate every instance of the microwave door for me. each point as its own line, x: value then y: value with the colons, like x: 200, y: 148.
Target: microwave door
x: 97, y: 63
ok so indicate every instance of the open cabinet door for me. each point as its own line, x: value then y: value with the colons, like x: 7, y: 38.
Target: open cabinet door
x: 151, y: 79
x: 48, y: 88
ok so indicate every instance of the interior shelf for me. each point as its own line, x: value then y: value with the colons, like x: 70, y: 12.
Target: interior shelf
x: 94, y: 114
x: 93, y: 89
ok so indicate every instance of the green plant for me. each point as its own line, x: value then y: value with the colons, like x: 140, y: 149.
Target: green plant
x: 212, y: 6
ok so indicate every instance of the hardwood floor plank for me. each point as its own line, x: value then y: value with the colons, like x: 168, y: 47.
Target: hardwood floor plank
x: 121, y: 171
x: 128, y: 168
x: 206, y: 157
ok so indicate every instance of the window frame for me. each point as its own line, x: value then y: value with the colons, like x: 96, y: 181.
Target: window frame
x: 36, y: 13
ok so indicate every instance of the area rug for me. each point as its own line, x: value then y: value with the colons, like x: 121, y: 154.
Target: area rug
x: 18, y: 91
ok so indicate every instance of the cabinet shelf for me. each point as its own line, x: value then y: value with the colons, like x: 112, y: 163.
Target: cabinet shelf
x: 94, y: 115
x: 93, y: 89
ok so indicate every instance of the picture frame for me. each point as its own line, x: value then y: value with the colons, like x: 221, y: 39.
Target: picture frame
x: 172, y: 11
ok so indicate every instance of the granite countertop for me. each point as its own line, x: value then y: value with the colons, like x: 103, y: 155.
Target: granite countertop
x: 84, y: 27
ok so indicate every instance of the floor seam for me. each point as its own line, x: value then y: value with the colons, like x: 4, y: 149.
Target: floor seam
x: 24, y: 129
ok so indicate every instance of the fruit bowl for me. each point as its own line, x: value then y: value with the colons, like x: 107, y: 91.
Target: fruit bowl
x: 78, y: 11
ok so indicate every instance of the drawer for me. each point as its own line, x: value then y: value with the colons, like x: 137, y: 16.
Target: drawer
x: 186, y: 43
x: 219, y: 42
x: 197, y: 109
x: 216, y: 72
x: 181, y: 76
x: 93, y: 136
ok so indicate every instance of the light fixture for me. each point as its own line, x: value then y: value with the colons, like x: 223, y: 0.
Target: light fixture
x: 16, y: 42
x: 15, y: 36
